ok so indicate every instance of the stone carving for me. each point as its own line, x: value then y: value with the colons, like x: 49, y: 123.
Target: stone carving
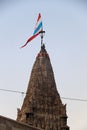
x: 42, y: 106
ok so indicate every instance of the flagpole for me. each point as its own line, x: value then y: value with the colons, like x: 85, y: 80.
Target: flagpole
x: 42, y: 35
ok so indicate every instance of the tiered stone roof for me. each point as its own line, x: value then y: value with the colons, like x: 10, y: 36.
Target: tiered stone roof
x: 42, y: 106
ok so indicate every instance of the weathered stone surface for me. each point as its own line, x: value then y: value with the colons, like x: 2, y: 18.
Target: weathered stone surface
x: 9, y: 124
x: 42, y: 106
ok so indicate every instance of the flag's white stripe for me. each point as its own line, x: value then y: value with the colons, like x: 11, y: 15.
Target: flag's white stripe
x: 39, y: 28
x: 37, y: 24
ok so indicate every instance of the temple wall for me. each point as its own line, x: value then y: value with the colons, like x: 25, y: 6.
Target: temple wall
x: 9, y: 124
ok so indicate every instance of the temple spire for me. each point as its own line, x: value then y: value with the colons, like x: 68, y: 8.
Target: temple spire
x: 42, y: 106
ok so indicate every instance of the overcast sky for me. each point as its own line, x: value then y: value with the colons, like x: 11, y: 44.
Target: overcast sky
x: 65, y: 23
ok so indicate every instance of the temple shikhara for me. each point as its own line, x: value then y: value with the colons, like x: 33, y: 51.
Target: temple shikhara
x: 42, y: 106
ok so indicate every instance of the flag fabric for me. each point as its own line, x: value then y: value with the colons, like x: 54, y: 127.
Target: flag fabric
x: 38, y: 27
x: 37, y: 30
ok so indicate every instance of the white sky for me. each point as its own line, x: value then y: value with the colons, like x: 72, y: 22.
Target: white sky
x: 65, y: 23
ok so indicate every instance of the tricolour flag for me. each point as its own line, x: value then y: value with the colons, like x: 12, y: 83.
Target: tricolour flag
x: 37, y: 31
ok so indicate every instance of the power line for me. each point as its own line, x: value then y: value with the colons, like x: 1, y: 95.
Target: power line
x: 75, y: 99
x: 66, y: 98
x: 13, y: 91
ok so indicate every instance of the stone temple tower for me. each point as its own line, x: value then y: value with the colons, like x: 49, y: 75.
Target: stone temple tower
x: 42, y: 106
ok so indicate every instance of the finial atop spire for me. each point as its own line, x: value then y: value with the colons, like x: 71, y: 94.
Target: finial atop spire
x: 43, y: 52
x: 43, y: 48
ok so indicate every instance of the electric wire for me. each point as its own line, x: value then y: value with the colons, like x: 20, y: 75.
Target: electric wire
x: 13, y: 91
x: 66, y: 98
x: 75, y: 99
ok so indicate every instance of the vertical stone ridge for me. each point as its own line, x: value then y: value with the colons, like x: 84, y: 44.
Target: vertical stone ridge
x: 42, y: 106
